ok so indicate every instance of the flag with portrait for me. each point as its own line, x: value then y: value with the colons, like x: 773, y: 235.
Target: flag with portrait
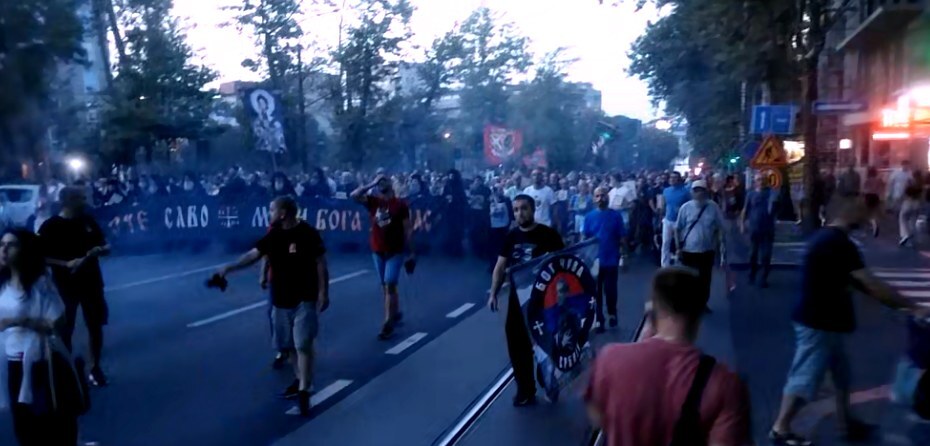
x: 557, y: 296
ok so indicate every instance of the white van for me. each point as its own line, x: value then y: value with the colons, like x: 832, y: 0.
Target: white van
x: 19, y: 204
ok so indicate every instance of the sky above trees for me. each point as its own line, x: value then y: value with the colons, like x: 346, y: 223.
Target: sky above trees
x: 598, y: 36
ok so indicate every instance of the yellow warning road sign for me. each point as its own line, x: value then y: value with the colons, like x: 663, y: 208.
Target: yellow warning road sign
x: 773, y: 177
x: 771, y: 153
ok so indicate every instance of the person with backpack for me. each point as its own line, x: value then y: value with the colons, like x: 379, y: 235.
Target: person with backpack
x: 664, y: 390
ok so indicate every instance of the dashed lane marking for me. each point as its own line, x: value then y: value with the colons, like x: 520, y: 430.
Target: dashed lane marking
x: 323, y: 395
x: 406, y: 343
x: 460, y: 310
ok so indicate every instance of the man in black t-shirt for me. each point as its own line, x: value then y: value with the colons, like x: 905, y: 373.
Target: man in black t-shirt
x: 299, y: 290
x: 72, y: 242
x: 824, y: 316
x: 523, y: 243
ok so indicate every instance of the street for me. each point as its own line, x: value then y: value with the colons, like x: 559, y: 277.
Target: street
x: 191, y: 366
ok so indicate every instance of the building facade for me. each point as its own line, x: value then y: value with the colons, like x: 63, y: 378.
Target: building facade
x: 878, y: 55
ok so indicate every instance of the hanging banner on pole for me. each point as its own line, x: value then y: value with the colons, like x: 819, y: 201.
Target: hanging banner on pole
x: 556, y: 293
x: 500, y: 144
x: 264, y: 110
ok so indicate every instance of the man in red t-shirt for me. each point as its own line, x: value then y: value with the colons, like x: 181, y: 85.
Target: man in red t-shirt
x: 637, y: 392
x: 390, y: 240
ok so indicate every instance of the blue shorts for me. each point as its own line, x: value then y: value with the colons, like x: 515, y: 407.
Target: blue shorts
x: 817, y: 351
x: 388, y: 267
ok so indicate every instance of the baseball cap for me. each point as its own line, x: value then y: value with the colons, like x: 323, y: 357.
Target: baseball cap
x: 699, y: 184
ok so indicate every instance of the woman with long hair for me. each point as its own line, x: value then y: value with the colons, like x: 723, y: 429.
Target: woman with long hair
x: 30, y: 313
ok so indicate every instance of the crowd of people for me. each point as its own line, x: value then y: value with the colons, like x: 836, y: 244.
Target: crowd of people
x: 682, y: 222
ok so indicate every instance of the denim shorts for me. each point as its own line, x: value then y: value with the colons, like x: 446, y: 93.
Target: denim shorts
x: 295, y: 328
x: 816, y: 352
x: 388, y: 267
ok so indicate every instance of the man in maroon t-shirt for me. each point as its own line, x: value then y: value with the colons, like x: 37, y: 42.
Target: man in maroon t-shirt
x: 391, y: 242
x: 637, y: 392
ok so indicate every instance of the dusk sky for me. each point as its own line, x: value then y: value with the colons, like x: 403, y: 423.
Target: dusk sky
x: 598, y: 35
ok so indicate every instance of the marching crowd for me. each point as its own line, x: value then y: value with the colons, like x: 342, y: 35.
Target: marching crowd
x: 684, y: 223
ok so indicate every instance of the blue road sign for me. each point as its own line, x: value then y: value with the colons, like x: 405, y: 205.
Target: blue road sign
x: 773, y: 119
x: 839, y: 107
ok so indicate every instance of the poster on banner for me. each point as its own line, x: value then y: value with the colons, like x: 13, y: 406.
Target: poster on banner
x: 264, y: 110
x: 556, y: 293
x: 501, y: 144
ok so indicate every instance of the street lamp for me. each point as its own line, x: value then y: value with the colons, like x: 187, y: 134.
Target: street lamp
x: 447, y: 135
x: 76, y: 165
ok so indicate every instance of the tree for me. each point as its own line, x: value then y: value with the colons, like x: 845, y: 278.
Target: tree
x: 35, y: 36
x: 493, y: 54
x: 159, y: 95
x: 654, y: 149
x: 554, y: 115
x: 368, y: 64
x: 699, y: 58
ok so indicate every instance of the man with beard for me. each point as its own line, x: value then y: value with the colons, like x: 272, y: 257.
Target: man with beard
x: 391, y: 237
x: 523, y: 243
x: 299, y: 290
x: 607, y: 226
x: 73, y: 242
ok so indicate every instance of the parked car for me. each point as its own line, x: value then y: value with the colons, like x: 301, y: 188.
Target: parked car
x: 19, y: 204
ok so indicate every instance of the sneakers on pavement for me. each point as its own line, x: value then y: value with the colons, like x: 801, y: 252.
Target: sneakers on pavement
x: 387, y: 330
x: 291, y: 391
x: 788, y: 439
x: 96, y: 378
x: 280, y: 360
x: 524, y: 400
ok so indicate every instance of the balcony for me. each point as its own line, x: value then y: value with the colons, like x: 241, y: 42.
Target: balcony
x: 887, y: 17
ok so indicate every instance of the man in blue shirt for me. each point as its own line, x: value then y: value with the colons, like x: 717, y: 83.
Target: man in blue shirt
x: 760, y: 209
x: 671, y: 200
x: 606, y: 225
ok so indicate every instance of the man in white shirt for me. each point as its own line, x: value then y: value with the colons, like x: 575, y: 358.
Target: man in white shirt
x: 543, y: 196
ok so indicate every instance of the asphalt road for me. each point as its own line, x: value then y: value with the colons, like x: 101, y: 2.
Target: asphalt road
x: 191, y: 366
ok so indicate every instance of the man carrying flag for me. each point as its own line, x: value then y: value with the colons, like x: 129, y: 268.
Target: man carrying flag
x: 528, y: 240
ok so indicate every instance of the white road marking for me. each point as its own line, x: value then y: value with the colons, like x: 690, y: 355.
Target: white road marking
x: 262, y: 303
x: 323, y: 395
x: 406, y: 343
x: 909, y: 284
x: 163, y: 278
x: 916, y: 294
x: 902, y: 275
x: 460, y: 310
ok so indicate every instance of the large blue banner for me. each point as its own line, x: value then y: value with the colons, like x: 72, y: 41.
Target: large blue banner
x: 172, y: 222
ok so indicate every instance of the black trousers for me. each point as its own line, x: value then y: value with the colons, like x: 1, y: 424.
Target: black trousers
x: 703, y: 262
x: 607, y: 290
x: 761, y: 247
x: 30, y: 428
x: 520, y: 348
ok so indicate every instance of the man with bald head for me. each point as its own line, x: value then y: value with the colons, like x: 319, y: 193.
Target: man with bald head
x: 606, y: 225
